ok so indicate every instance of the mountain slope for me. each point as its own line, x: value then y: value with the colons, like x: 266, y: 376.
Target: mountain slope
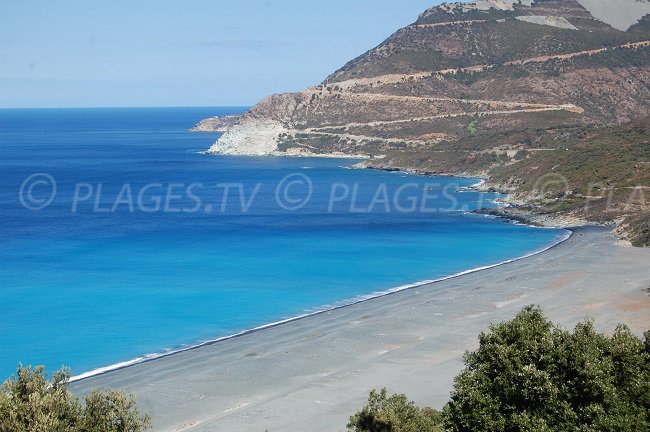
x: 428, y: 81
x: 468, y: 89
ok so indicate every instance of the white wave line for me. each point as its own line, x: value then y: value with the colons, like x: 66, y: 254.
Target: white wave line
x: 350, y: 302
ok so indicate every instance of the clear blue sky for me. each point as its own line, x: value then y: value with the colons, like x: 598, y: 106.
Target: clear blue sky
x: 182, y: 53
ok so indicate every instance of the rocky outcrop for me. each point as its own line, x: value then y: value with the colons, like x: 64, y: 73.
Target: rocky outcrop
x: 501, y: 4
x: 253, y: 137
x: 559, y: 22
x: 216, y: 124
x: 620, y: 14
x: 259, y: 130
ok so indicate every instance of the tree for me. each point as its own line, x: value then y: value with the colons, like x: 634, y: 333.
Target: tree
x: 529, y: 375
x: 394, y: 414
x: 29, y: 402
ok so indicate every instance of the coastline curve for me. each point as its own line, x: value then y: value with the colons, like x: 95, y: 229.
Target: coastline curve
x: 568, y: 233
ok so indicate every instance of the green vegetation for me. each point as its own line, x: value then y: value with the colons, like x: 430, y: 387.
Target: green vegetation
x: 29, y: 402
x: 436, y: 15
x: 394, y: 414
x: 468, y: 78
x: 499, y: 40
x: 618, y: 155
x: 601, y: 176
x: 530, y: 375
x: 521, y: 155
x: 471, y: 127
x: 640, y: 231
x: 520, y: 73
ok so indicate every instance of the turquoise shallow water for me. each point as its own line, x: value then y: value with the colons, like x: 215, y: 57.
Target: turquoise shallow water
x: 118, y: 276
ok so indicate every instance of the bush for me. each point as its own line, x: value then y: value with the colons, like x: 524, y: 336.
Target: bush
x: 639, y: 232
x: 529, y: 375
x: 31, y: 403
x: 394, y: 414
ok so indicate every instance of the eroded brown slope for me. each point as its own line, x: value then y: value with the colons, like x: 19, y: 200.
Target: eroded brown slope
x: 455, y: 74
x: 464, y: 91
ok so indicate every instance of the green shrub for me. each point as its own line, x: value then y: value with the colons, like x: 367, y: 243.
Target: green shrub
x: 394, y: 414
x: 640, y: 231
x: 529, y: 375
x: 471, y: 127
x: 31, y: 403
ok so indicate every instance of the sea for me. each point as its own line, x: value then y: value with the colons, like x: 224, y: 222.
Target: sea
x: 121, y: 241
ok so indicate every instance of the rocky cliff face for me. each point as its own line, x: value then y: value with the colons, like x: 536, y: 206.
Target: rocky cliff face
x: 462, y: 70
x: 216, y: 124
x: 497, y: 88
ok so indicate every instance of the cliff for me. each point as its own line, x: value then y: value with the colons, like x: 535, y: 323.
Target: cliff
x: 469, y: 88
x: 490, y: 66
x: 216, y: 124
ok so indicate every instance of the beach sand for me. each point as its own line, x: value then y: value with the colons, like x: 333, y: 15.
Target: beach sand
x: 312, y: 374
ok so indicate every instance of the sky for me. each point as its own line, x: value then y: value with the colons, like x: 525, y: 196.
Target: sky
x: 182, y: 53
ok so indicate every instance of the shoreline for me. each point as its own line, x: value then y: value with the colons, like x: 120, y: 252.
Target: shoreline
x: 506, y: 209
x: 342, y: 304
x: 290, y: 155
x: 311, y: 374
x: 480, y: 181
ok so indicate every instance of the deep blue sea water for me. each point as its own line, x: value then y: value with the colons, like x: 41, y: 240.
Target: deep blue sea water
x: 148, y: 245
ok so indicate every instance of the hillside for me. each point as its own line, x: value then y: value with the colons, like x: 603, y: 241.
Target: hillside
x: 480, y: 89
x: 601, y: 176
